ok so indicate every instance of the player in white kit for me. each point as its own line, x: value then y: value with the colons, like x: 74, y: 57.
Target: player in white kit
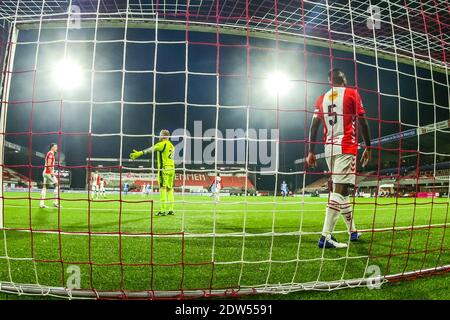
x: 284, y: 189
x: 102, y: 188
x: 338, y: 110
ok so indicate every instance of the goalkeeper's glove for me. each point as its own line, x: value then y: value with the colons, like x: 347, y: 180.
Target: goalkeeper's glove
x: 136, y: 154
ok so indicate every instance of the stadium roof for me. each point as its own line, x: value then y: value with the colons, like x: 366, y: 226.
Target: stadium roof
x: 411, y: 29
x: 12, y: 148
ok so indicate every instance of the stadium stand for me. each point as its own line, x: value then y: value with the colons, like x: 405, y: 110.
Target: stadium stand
x: 235, y: 182
x: 194, y: 182
x: 320, y: 184
x: 13, y: 178
x: 199, y: 180
x: 408, y: 182
x: 190, y: 180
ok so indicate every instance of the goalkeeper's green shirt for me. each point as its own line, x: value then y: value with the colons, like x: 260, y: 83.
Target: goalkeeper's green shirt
x: 164, y: 154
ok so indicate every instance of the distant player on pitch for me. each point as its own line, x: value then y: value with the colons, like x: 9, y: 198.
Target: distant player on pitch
x: 48, y: 177
x: 164, y: 151
x: 217, y: 185
x: 102, y: 188
x: 338, y: 110
x: 95, y: 184
x: 284, y: 189
x: 125, y: 188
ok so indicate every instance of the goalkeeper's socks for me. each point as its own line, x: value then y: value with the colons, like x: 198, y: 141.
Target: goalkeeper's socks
x: 347, y: 214
x: 162, y: 198
x: 170, y: 199
x: 332, y: 213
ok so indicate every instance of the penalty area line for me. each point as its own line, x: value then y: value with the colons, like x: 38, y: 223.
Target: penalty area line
x: 217, y: 235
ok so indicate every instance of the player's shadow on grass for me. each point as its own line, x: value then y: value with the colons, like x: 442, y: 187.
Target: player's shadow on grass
x: 94, y: 225
x: 47, y: 219
x: 41, y: 218
x: 16, y: 235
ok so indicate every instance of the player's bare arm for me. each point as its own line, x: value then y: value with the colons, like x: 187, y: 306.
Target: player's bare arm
x: 364, y: 125
x: 311, y: 159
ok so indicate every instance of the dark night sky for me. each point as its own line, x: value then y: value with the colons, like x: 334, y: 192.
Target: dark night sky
x: 234, y: 89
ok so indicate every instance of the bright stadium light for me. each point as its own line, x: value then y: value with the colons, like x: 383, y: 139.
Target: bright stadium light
x: 278, y: 83
x: 67, y: 74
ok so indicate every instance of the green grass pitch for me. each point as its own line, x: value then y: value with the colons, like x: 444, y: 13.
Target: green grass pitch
x: 240, y: 242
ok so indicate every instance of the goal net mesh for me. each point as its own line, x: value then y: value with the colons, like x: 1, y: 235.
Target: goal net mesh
x: 235, y: 83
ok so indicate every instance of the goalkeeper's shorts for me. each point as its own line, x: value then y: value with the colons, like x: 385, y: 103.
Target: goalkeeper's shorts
x: 166, y: 177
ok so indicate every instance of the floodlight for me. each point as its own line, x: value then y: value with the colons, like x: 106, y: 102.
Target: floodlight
x: 67, y: 74
x: 277, y: 83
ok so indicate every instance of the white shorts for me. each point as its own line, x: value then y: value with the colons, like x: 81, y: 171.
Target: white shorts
x: 342, y: 168
x: 49, y: 179
x: 102, y: 189
x: 94, y: 187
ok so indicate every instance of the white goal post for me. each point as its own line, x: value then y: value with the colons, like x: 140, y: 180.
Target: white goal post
x: 8, y: 62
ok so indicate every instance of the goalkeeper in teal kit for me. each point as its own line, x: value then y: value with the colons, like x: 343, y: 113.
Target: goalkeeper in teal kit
x: 164, y: 151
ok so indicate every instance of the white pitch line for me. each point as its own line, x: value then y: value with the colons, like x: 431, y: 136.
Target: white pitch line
x: 225, y: 210
x: 222, y: 235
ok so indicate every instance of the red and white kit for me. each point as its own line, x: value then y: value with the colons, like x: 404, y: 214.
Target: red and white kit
x: 95, y: 182
x: 102, y: 185
x: 339, y: 109
x: 218, y: 184
x: 48, y: 173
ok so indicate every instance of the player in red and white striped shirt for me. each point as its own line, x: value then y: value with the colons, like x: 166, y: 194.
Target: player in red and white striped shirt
x: 95, y: 184
x: 48, y: 176
x: 338, y: 110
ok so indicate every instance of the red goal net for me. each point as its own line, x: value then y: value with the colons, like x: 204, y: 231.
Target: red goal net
x: 235, y: 83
